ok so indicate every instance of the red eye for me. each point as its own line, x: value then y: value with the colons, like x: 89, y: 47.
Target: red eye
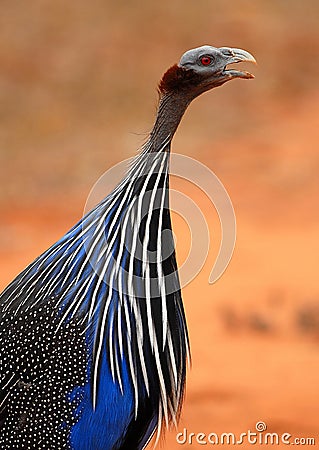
x: 206, y: 60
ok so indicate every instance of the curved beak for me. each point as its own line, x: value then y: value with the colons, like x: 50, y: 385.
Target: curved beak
x: 235, y: 55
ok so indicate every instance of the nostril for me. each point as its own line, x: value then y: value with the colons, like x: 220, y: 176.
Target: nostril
x: 228, y: 52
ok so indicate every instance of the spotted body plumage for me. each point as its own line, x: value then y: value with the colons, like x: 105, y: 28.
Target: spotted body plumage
x: 38, y: 367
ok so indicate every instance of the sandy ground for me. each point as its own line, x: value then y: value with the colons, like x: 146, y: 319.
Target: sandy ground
x: 71, y: 101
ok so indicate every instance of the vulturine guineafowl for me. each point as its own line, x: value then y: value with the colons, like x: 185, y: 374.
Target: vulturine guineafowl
x: 94, y: 342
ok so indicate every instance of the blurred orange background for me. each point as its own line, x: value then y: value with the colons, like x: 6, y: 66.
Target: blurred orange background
x: 78, y: 94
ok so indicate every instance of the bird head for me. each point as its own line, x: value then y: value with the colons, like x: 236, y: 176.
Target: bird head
x: 204, y: 68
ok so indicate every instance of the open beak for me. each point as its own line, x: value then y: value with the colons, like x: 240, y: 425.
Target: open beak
x: 235, y: 55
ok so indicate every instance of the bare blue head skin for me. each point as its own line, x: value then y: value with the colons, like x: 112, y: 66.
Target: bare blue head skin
x: 211, y: 64
x: 199, y: 70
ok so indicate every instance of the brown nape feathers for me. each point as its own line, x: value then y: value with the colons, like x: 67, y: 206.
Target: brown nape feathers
x: 177, y: 78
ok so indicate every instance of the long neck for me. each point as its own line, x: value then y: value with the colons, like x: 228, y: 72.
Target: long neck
x: 171, y: 108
